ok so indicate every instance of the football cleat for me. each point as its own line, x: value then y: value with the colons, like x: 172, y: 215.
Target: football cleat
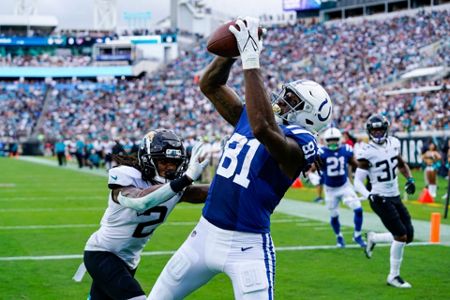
x: 370, y: 244
x: 359, y: 240
x: 398, y: 282
x: 340, y: 242
x: 318, y: 200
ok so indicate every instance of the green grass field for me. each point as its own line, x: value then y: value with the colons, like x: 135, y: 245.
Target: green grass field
x: 47, y: 211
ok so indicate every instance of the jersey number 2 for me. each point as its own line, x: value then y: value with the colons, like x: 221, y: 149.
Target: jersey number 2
x: 139, y: 231
x: 239, y: 142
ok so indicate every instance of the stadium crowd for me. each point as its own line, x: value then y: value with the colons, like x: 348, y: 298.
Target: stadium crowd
x: 45, y: 60
x: 356, y: 62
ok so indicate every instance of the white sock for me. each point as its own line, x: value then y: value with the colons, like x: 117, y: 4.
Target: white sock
x: 396, y: 257
x: 432, y: 189
x: 382, y: 237
x: 357, y: 233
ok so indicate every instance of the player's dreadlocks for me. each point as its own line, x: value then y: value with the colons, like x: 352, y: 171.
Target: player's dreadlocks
x: 130, y: 160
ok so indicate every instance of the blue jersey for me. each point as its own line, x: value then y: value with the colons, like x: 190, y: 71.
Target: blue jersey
x: 335, y: 165
x: 249, y: 184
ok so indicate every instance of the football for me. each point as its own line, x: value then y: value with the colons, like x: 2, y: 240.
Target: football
x: 223, y: 43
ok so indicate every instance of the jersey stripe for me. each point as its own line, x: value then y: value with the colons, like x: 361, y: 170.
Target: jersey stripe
x: 267, y: 261
x: 298, y: 130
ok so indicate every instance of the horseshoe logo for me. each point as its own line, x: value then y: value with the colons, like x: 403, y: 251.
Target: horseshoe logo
x: 319, y: 116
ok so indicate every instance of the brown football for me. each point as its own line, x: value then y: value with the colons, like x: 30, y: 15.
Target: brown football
x: 223, y: 43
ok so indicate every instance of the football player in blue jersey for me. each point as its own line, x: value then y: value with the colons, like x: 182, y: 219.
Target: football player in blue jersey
x: 336, y: 159
x: 261, y: 160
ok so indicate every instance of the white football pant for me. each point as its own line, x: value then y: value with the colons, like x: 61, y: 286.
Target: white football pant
x: 346, y: 193
x: 247, y: 258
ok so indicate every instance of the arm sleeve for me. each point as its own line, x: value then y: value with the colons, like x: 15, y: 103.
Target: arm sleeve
x: 360, y: 176
x: 153, y: 199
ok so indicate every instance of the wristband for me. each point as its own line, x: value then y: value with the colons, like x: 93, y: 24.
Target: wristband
x: 179, y: 184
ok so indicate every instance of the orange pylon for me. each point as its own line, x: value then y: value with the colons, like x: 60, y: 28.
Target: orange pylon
x: 425, y: 196
x: 297, y: 183
x: 435, y: 228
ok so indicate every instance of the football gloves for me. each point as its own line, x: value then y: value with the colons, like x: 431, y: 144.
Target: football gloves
x: 195, y: 167
x: 249, y: 44
x: 376, y: 198
x: 410, y: 186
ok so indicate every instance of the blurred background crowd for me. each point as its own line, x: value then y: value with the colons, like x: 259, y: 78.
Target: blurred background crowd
x: 357, y: 62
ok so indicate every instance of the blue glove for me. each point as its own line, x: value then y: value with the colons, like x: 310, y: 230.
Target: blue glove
x: 410, y: 186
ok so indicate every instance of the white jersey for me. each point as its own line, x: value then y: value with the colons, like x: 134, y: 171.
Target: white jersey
x: 124, y: 231
x: 383, y: 163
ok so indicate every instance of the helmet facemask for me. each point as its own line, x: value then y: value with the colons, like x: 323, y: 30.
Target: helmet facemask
x: 290, y: 115
x: 312, y: 111
x: 161, y: 145
x: 377, y: 128
x: 333, y: 144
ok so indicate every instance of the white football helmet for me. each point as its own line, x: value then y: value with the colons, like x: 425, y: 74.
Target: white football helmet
x: 332, y: 137
x: 314, y: 112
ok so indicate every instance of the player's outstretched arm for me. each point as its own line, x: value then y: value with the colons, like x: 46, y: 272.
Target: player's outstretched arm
x: 143, y: 199
x: 259, y: 109
x: 213, y: 85
x: 195, y: 193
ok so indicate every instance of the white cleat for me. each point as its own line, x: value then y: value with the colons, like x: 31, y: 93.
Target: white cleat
x: 398, y: 282
x: 370, y: 244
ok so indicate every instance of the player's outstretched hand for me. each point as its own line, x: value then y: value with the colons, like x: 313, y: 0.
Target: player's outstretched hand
x: 376, y: 198
x: 196, y: 167
x: 410, y: 186
x: 249, y: 43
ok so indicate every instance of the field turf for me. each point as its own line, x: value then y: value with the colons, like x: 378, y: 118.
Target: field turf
x: 48, y: 213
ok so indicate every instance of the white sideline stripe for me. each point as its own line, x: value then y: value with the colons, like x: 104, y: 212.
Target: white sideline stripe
x: 59, y: 226
x: 158, y: 253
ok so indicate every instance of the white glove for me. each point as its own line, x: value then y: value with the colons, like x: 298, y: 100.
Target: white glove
x: 249, y: 44
x: 195, y: 168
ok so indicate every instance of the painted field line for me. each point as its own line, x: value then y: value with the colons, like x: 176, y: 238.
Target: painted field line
x: 16, y: 210
x: 30, y: 227
x: 55, y: 198
x: 158, y: 253
x: 174, y: 223
x: 7, y: 185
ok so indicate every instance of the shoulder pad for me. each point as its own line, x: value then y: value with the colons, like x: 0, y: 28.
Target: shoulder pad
x: 395, y: 141
x: 362, y: 152
x: 123, y: 175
